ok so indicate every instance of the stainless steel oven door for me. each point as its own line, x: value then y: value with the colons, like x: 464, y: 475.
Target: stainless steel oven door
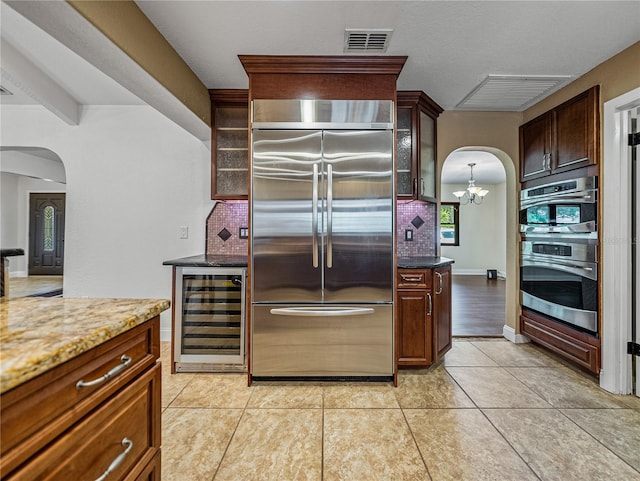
x: 567, y: 207
x: 564, y: 290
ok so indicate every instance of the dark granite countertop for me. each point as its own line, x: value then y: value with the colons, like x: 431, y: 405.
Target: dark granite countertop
x: 206, y: 260
x: 423, y: 262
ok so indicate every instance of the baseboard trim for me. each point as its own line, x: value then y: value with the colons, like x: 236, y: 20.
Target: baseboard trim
x: 476, y: 272
x: 509, y: 334
x: 17, y: 274
x: 469, y: 272
x: 165, y: 335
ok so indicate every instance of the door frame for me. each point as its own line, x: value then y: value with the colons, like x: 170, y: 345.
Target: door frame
x: 29, y: 233
x: 615, y: 375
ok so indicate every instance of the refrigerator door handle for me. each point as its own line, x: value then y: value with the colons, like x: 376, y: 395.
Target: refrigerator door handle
x: 315, y: 312
x: 314, y: 217
x: 329, y: 216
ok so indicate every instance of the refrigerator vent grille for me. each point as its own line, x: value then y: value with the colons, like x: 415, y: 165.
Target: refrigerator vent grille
x: 366, y: 40
x: 511, y: 92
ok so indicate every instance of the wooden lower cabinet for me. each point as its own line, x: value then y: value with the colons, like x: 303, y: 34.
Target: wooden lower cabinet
x: 108, y: 426
x: 575, y: 346
x: 442, y: 310
x: 415, y: 308
x: 423, y: 316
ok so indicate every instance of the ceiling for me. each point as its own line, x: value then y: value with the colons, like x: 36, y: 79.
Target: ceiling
x: 452, y: 46
x: 488, y: 168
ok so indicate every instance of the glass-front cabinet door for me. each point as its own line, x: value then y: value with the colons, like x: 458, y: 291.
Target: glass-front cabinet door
x: 405, y: 158
x: 427, y: 156
x: 230, y: 144
x: 416, y: 149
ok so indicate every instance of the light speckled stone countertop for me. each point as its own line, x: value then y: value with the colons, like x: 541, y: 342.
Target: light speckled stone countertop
x: 37, y: 334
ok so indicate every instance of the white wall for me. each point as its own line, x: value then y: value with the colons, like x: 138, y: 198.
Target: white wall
x: 133, y: 178
x: 9, y: 213
x: 14, y: 221
x: 482, y: 231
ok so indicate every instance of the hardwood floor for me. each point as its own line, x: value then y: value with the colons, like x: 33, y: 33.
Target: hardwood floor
x: 478, y: 306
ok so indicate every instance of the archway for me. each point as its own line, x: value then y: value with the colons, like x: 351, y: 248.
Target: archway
x: 512, y: 306
x: 24, y: 172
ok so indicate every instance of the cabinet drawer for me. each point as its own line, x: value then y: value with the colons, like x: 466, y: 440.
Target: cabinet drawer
x: 412, y: 278
x: 575, y: 346
x: 36, y: 412
x: 122, y: 429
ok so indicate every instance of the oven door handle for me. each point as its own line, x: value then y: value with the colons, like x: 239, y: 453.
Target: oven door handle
x: 582, y: 228
x: 587, y: 269
x: 588, y: 197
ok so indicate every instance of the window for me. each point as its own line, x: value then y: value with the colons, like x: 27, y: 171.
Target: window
x: 49, y: 227
x: 449, y: 223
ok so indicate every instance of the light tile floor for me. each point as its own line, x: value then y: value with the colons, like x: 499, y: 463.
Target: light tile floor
x: 492, y: 410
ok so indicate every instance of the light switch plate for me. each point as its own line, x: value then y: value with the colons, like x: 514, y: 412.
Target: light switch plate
x: 243, y: 233
x: 184, y: 232
x: 408, y: 234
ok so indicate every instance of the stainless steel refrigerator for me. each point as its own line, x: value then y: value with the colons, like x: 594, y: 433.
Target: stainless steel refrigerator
x: 322, y: 239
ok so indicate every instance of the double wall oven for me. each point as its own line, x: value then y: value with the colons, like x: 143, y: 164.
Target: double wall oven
x: 559, y: 252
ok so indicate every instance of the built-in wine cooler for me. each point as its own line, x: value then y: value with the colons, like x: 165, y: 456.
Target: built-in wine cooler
x: 209, y: 319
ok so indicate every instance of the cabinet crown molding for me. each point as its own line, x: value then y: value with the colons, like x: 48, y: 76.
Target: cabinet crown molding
x: 344, y: 64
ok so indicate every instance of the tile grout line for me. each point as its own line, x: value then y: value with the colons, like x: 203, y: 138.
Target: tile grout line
x: 226, y: 449
x: 509, y: 443
x: 596, y: 439
x: 426, y: 467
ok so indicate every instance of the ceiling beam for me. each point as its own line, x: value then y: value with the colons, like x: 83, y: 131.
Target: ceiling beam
x: 114, y: 36
x: 26, y: 76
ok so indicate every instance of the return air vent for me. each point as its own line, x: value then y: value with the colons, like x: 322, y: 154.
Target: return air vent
x: 511, y: 92
x: 376, y: 40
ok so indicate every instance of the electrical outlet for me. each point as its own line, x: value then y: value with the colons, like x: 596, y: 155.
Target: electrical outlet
x: 243, y: 233
x: 408, y: 235
x: 184, y: 232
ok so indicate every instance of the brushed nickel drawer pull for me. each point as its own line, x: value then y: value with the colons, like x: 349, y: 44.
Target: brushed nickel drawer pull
x: 124, y: 362
x: 128, y: 444
x: 439, y: 291
x: 411, y: 278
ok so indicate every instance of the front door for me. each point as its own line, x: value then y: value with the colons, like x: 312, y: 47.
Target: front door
x: 46, y: 233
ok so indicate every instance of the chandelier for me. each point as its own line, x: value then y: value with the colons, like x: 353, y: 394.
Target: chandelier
x: 473, y: 194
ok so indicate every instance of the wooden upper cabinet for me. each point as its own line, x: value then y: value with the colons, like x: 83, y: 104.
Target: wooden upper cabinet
x: 535, y: 148
x: 416, y: 149
x: 326, y: 77
x: 229, y: 143
x: 562, y: 139
x: 576, y: 133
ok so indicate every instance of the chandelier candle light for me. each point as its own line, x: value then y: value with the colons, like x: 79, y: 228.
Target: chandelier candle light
x: 473, y: 194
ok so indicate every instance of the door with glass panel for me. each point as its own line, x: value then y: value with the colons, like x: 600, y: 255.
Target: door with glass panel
x: 46, y: 233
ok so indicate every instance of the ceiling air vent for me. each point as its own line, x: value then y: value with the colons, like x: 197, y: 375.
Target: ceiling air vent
x: 4, y: 91
x: 376, y: 40
x: 511, y: 92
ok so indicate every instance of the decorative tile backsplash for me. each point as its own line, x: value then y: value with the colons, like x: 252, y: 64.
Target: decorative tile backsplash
x: 223, y: 228
x: 226, y: 219
x: 420, y: 217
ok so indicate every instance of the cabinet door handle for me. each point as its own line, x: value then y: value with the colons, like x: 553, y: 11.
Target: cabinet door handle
x: 439, y: 291
x: 415, y: 186
x: 128, y: 445
x: 124, y: 362
x: 421, y: 186
x: 430, y: 304
x: 407, y: 278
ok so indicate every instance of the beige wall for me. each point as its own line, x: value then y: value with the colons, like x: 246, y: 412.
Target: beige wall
x: 616, y: 76
x: 497, y: 132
